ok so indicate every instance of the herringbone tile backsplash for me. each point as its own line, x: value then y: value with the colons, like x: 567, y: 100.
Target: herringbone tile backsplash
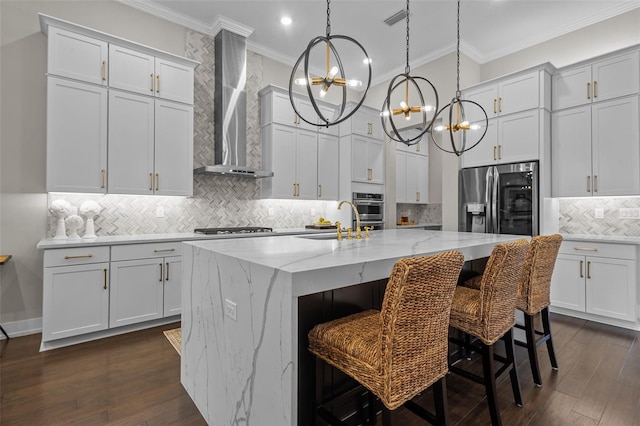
x: 577, y: 216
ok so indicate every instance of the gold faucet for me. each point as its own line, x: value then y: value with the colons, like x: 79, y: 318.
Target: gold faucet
x: 338, y: 224
x: 355, y: 211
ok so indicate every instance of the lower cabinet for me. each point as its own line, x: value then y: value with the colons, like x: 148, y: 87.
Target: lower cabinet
x: 597, y: 279
x: 76, y: 292
x: 145, y: 286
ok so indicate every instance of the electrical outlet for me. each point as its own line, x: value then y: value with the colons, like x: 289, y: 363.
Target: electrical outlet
x: 270, y: 211
x: 599, y: 213
x: 313, y: 212
x: 629, y: 213
x: 230, y: 309
x: 159, y: 211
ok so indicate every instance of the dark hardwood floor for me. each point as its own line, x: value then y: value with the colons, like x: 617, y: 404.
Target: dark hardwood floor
x: 134, y: 379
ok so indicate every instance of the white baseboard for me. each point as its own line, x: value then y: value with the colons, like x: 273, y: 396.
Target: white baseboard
x: 22, y: 328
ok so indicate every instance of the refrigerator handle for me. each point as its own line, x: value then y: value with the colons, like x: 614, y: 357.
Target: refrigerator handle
x: 488, y: 222
x: 495, y: 202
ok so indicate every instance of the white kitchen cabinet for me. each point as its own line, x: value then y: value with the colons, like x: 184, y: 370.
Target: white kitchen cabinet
x: 76, y: 136
x: 596, y: 279
x: 76, y: 56
x: 365, y: 121
x: 509, y: 139
x: 150, y: 146
x: 75, y: 292
x: 144, y: 279
x: 367, y: 159
x: 608, y: 78
x: 328, y: 167
x: 412, y: 170
x: 276, y: 108
x: 292, y: 155
x: 596, y: 149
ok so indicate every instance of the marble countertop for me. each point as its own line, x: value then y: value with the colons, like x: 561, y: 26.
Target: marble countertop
x: 602, y: 238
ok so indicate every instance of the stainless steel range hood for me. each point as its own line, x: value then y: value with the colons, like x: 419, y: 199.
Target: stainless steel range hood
x: 230, y: 109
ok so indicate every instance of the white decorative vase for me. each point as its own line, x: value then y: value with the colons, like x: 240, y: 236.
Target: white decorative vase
x: 61, y: 232
x: 74, y: 222
x: 90, y: 231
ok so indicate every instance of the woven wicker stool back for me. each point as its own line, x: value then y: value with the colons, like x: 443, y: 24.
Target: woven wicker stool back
x: 535, y: 283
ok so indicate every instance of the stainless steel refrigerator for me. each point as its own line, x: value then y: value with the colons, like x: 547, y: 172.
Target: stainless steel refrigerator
x: 500, y: 199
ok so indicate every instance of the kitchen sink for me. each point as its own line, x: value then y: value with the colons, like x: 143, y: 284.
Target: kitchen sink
x: 331, y: 236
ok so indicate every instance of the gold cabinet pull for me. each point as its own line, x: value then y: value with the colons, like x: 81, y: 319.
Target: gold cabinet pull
x: 151, y: 88
x: 158, y: 84
x: 494, y: 109
x: 418, y: 147
x: 80, y: 256
x: 161, y: 272
x: 150, y: 181
x: 499, y: 152
x: 163, y: 250
x: 589, y: 269
x: 417, y: 196
x: 294, y: 189
x: 588, y: 90
x: 585, y: 248
x: 104, y: 70
x: 319, y: 191
x: 581, y: 265
x: 105, y: 278
x: 494, y: 153
x: 369, y: 174
x: 157, y: 181
x: 167, y: 273
x: 595, y: 89
x: 595, y: 183
x: 499, y: 104
x: 588, y: 183
x: 103, y: 174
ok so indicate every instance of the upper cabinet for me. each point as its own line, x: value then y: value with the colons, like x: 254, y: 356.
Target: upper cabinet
x: 598, y: 81
x: 517, y: 107
x: 366, y: 122
x: 412, y: 170
x: 119, y: 114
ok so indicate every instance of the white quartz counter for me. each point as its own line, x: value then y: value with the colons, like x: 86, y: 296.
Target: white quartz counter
x: 244, y: 370
x: 620, y: 239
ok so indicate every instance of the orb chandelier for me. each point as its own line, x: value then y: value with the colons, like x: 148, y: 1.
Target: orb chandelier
x: 405, y: 109
x: 456, y: 119
x: 335, y: 76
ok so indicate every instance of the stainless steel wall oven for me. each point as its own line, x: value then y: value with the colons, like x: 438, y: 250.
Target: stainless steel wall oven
x: 371, y: 209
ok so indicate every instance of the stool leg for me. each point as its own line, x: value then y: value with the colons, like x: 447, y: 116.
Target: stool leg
x: 4, y: 332
x: 513, y: 373
x: 489, y: 372
x: 546, y: 328
x: 529, y: 329
x: 372, y: 411
x: 387, y: 416
x: 440, y: 401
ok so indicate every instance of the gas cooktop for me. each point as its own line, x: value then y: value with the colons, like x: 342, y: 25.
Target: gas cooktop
x: 233, y: 230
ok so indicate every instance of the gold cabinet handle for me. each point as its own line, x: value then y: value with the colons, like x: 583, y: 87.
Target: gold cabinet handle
x: 105, y: 278
x: 499, y: 152
x: 418, y: 147
x: 588, y: 90
x: 167, y: 273
x: 499, y: 104
x: 161, y: 272
x: 294, y: 189
x: 595, y: 183
x: 151, y: 88
x: 157, y: 181
x: 595, y: 89
x: 588, y: 183
x: 494, y: 109
x: 588, y: 269
x: 494, y: 153
x: 150, y: 181
x: 585, y: 248
x: 158, y: 84
x: 417, y: 196
x: 103, y: 174
x: 319, y: 191
x: 369, y: 174
x: 581, y: 265
x: 163, y: 250
x: 80, y: 256
x: 104, y: 70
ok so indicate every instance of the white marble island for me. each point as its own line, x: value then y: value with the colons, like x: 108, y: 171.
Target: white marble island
x: 244, y: 371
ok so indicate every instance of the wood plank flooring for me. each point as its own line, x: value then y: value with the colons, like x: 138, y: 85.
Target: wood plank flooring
x: 134, y: 379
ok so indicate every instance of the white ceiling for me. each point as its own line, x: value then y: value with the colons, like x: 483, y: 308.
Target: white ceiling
x: 489, y: 29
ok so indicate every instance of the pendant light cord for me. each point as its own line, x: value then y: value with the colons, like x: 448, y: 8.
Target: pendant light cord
x: 458, y: 94
x: 407, y: 69
x: 328, y: 18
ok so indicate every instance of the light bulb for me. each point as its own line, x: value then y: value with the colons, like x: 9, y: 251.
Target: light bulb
x: 367, y: 61
x: 332, y: 72
x: 475, y: 127
x: 302, y: 81
x: 439, y: 128
x: 385, y: 113
x: 323, y: 91
x: 464, y: 123
x: 354, y: 83
x: 426, y: 108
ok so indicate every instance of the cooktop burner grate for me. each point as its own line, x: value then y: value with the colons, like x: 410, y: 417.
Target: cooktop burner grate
x: 233, y: 230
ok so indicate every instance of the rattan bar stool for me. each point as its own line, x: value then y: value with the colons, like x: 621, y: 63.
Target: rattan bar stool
x: 400, y: 351
x: 488, y: 314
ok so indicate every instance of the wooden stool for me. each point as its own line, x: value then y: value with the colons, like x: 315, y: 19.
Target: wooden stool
x: 487, y: 313
x: 401, y: 350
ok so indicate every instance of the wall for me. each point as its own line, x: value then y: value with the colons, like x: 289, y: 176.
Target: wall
x: 577, y: 216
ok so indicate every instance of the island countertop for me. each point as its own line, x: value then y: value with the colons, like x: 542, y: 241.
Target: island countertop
x: 240, y: 318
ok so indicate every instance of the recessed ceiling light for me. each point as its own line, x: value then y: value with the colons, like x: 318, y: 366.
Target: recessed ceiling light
x: 285, y: 20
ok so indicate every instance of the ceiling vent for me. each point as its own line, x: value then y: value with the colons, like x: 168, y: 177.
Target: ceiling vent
x: 396, y: 17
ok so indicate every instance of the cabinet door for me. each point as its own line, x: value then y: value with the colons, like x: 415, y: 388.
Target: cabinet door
x: 422, y: 178
x: 518, y: 137
x: 359, y: 165
x: 401, y: 176
x: 137, y: 288
x: 411, y: 180
x: 329, y: 113
x: 307, y: 164
x: 616, y: 77
x: 76, y: 56
x: 75, y: 300
x: 76, y: 136
x: 571, y: 88
x: 375, y: 161
x: 282, y: 111
x: 571, y: 152
x: 131, y: 141
x: 611, y: 287
x: 487, y: 97
x: 282, y: 158
x: 174, y: 81
x: 483, y: 154
x: 131, y: 70
x: 567, y: 282
x: 328, y: 167
x: 366, y: 121
x: 616, y: 147
x: 172, y: 286
x: 519, y: 93
x: 173, y: 149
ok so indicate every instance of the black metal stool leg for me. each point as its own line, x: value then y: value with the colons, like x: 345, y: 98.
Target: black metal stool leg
x: 4, y: 332
x: 529, y: 328
x: 546, y: 328
x: 489, y: 373
x: 513, y: 372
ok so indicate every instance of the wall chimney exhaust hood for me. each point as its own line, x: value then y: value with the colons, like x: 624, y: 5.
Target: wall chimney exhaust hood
x: 230, y: 109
